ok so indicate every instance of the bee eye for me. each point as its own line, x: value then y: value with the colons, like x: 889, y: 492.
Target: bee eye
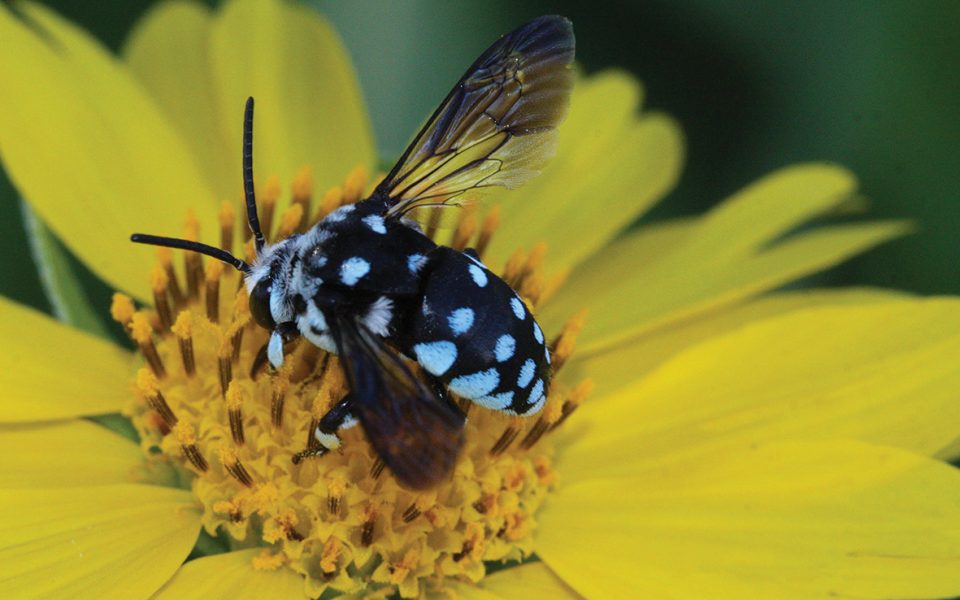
x: 260, y: 303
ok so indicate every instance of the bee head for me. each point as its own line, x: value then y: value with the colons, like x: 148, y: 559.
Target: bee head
x: 267, y: 285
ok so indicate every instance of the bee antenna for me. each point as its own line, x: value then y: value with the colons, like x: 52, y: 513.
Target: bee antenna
x: 248, y: 192
x: 217, y: 253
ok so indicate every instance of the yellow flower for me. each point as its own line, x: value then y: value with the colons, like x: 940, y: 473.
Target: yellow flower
x: 739, y: 440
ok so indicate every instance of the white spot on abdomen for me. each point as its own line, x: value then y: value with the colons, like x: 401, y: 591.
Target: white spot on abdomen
x: 475, y: 385
x: 506, y: 346
x: 526, y: 373
x: 517, y: 307
x: 415, y: 262
x: 537, y: 332
x: 495, y: 402
x: 436, y: 357
x: 375, y: 223
x: 460, y: 320
x: 479, y: 277
x: 353, y: 269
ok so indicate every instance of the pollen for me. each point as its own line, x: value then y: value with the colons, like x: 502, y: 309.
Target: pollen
x: 206, y: 403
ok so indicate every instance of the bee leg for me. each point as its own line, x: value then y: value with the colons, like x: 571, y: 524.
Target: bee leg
x: 338, y: 417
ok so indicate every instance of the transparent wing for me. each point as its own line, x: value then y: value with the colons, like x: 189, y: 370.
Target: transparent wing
x: 496, y: 127
x: 415, y: 433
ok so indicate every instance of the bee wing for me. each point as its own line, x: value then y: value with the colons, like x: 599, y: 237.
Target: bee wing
x: 415, y: 433
x: 496, y: 127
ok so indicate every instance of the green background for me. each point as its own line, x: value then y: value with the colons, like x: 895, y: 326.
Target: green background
x: 755, y: 86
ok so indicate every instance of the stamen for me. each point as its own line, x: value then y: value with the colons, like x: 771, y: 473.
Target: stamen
x: 231, y: 463
x: 214, y: 271
x: 532, y: 288
x: 224, y: 364
x: 369, y: 522
x: 332, y: 549
x: 235, y: 399
x: 399, y: 571
x: 268, y: 561
x: 241, y: 316
x: 193, y: 265
x: 142, y: 333
x: 561, y: 347
x: 150, y: 388
x: 165, y: 258
x: 183, y: 329
x: 466, y: 227
x: 290, y: 221
x: 544, y: 424
x: 490, y: 224
x: 336, y: 488
x: 532, y: 265
x: 506, y: 438
x: 433, y: 223
x: 332, y: 199
x: 122, y: 309
x: 577, y: 396
x: 280, y: 383
x: 302, y: 191
x: 513, y: 270
x: 228, y: 217
x: 354, y: 184
x: 159, y: 282
x: 187, y: 437
x: 268, y: 202
x: 423, y: 503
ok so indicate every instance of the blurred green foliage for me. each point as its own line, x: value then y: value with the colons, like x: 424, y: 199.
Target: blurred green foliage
x: 871, y: 85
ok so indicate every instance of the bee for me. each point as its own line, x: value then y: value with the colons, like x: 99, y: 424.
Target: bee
x: 367, y: 284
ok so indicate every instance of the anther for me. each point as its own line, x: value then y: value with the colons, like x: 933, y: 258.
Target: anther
x: 411, y: 513
x: 330, y: 202
x: 400, y: 570
x: 354, y: 184
x: 183, y: 329
x: 513, y: 270
x: 122, y: 309
x: 576, y: 397
x: 234, y: 401
x: 545, y: 423
x: 280, y: 384
x: 159, y: 282
x: 231, y: 463
x: 165, y: 258
x: 506, y: 439
x: 227, y: 218
x: 269, y: 195
x: 561, y: 347
x: 224, y: 365
x: 150, y: 388
x: 532, y: 265
x: 466, y: 227
x: 433, y: 223
x: 302, y: 190
x: 377, y: 469
x: 290, y: 221
x: 490, y: 224
x: 142, y: 333
x: 336, y: 488
x: 213, y: 272
x: 332, y: 549
x: 185, y: 434
x: 241, y: 316
x: 369, y: 522
x: 192, y: 262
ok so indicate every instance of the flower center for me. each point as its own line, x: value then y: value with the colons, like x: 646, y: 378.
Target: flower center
x: 206, y: 404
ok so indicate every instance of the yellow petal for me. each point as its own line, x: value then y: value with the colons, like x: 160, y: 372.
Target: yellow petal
x: 309, y: 109
x: 169, y: 53
x: 50, y: 371
x: 610, y: 167
x: 530, y: 581
x: 89, y: 149
x: 793, y: 520
x: 617, y: 366
x: 107, y: 541
x: 66, y: 454
x: 885, y: 372
x: 232, y: 575
x: 714, y: 264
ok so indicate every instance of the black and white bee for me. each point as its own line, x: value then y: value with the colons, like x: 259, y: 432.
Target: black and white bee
x: 367, y: 284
